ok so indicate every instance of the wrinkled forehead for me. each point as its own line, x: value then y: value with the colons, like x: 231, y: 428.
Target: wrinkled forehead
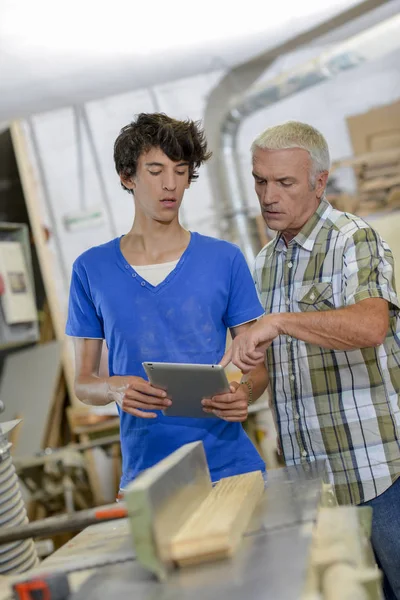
x: 276, y: 161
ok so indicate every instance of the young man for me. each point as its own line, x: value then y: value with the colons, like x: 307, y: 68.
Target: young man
x: 161, y: 293
x: 331, y: 332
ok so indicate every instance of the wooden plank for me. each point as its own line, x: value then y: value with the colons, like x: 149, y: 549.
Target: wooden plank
x: 383, y: 183
x: 369, y: 158
x: 215, y: 529
x: 92, y: 472
x: 53, y: 437
x: 372, y: 172
x: 33, y: 205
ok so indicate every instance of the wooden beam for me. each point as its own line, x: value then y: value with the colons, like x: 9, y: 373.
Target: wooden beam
x: 35, y: 211
x: 215, y: 529
x: 375, y: 158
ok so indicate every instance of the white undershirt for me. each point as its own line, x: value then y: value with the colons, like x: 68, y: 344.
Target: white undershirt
x: 155, y: 274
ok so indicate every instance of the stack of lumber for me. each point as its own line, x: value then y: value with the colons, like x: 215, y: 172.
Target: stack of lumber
x: 378, y: 182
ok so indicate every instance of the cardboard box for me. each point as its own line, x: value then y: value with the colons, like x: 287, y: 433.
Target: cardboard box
x: 378, y: 129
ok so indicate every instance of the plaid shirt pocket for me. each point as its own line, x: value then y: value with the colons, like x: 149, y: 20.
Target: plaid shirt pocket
x: 315, y: 296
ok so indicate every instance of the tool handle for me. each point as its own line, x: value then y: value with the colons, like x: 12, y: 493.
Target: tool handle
x: 63, y: 523
x: 119, y: 512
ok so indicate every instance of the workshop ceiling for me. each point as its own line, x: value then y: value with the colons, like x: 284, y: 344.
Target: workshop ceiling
x: 54, y: 54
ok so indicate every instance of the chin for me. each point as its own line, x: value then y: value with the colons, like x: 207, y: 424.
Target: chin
x: 274, y: 225
x: 166, y: 219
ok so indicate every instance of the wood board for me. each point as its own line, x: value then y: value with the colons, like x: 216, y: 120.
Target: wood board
x: 215, y: 528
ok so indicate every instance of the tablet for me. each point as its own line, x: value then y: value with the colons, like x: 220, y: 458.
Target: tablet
x: 187, y: 385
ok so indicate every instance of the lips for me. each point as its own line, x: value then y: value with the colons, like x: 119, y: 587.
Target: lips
x: 168, y: 202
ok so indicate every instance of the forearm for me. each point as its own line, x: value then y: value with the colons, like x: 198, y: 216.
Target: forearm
x: 94, y: 390
x: 259, y: 380
x: 348, y: 328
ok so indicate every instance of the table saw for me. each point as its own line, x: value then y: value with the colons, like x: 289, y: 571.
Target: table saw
x: 270, y: 563
x: 270, y: 559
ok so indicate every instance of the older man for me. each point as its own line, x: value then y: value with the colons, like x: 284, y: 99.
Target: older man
x: 331, y: 333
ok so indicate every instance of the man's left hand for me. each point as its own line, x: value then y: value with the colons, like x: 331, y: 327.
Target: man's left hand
x: 229, y: 407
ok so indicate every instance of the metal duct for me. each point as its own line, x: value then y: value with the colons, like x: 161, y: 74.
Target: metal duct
x: 16, y: 557
x: 372, y: 44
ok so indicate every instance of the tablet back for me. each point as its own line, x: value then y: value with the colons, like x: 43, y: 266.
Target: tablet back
x: 187, y: 385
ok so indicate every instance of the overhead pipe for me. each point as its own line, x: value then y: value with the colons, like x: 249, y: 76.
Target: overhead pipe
x: 369, y: 45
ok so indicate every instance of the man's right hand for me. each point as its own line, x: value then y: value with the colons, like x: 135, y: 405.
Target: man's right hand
x: 136, y: 396
x: 248, y: 348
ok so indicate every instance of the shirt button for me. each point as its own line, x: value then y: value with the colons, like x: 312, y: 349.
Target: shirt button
x: 143, y: 284
x: 292, y: 377
x: 126, y: 266
x: 297, y: 416
x: 304, y: 452
x: 312, y: 297
x: 133, y: 274
x: 287, y: 301
x: 290, y: 264
x: 289, y: 339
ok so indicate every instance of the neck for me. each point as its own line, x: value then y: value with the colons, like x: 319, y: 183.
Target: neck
x: 151, y: 241
x: 291, y: 233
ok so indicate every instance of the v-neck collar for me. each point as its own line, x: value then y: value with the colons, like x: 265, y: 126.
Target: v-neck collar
x: 130, y: 271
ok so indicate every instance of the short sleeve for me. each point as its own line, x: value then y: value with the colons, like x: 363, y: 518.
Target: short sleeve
x: 83, y: 320
x: 243, y: 303
x: 257, y: 269
x: 368, y: 269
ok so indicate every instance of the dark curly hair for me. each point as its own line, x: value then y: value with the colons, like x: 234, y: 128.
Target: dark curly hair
x: 179, y: 140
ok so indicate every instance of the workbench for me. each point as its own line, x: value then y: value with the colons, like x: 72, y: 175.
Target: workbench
x: 271, y: 562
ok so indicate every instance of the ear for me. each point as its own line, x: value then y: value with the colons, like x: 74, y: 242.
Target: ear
x: 128, y: 182
x: 320, y: 183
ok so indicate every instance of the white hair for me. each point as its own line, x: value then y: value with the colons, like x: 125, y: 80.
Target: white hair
x: 294, y: 134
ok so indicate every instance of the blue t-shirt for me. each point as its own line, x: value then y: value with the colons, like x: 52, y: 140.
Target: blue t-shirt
x: 183, y: 319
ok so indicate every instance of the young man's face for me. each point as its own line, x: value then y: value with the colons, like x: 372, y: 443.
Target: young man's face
x: 284, y: 190
x: 159, y: 185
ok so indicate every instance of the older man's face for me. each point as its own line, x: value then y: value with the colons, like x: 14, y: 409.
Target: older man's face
x: 283, y: 184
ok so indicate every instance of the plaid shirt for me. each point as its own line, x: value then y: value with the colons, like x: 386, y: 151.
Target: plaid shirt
x: 342, y: 406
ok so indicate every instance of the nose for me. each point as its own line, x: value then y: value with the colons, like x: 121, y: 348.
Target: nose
x: 169, y: 181
x: 267, y: 195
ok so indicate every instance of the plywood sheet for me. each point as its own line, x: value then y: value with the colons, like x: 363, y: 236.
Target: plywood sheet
x: 378, y: 129
x: 27, y: 388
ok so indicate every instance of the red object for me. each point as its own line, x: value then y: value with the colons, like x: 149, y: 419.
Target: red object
x: 27, y: 590
x: 2, y: 285
x: 54, y: 586
x: 109, y: 513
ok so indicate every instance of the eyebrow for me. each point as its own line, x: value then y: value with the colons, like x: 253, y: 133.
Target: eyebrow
x: 285, y: 178
x: 158, y: 164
